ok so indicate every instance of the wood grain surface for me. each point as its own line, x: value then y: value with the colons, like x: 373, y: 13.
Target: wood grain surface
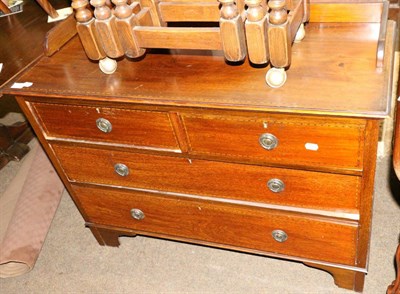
x: 138, y: 128
x: 349, y: 12
x: 321, y: 79
x: 188, y: 125
x: 222, y: 223
x: 212, y: 179
x: 237, y: 138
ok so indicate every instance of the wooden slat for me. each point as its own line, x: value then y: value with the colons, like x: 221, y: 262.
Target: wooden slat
x: 296, y: 18
x: 380, y: 51
x: 257, y: 40
x: 155, y: 17
x: 346, y: 12
x: 90, y: 40
x: 59, y: 35
x: 306, y: 4
x: 190, y: 11
x: 108, y: 36
x: 233, y: 38
x: 179, y: 38
x: 126, y: 36
x: 144, y: 17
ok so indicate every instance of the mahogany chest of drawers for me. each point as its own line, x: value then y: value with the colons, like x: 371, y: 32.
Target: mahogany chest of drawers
x: 186, y: 148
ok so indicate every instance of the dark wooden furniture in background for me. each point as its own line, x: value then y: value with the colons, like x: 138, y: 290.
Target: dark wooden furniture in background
x: 13, y: 142
x: 20, y: 47
x: 182, y: 146
x: 22, y: 38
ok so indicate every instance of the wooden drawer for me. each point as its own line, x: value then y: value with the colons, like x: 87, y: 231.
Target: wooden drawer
x: 133, y: 127
x: 314, y: 238
x: 301, y: 141
x: 219, y: 179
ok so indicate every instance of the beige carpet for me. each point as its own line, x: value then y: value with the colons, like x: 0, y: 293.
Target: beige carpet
x: 71, y: 261
x: 30, y: 192
x: 27, y: 208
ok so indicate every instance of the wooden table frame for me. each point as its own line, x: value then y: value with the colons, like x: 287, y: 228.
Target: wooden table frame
x: 163, y: 37
x: 263, y: 31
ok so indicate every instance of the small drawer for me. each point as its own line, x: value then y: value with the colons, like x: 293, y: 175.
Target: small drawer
x: 216, y: 179
x: 107, y: 125
x: 278, y: 139
x: 241, y: 226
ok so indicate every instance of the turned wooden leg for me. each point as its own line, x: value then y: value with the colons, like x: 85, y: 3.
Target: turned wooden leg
x: 86, y: 29
x: 232, y: 33
x: 108, y: 237
x: 126, y: 20
x: 343, y: 278
x: 256, y: 31
x: 279, y: 43
x: 106, y: 28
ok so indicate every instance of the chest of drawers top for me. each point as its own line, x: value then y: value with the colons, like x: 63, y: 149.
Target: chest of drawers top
x: 323, y: 79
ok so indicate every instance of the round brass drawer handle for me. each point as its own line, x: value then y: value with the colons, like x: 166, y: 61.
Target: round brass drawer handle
x: 137, y: 214
x: 276, y: 185
x: 104, y: 125
x: 121, y: 169
x: 268, y: 141
x: 279, y: 236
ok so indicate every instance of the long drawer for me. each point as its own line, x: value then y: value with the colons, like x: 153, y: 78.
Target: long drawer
x: 278, y: 139
x: 228, y: 180
x: 242, y: 226
x: 107, y: 125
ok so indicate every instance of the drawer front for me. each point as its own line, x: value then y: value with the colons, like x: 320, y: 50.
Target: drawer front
x: 314, y: 238
x: 288, y: 140
x: 110, y: 125
x: 201, y: 177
